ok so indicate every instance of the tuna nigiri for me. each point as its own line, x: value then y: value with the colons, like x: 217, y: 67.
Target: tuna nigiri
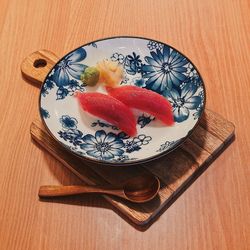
x: 109, y: 109
x: 145, y: 100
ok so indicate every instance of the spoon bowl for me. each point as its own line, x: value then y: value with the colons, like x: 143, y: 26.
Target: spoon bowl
x: 138, y: 189
x: 141, y: 189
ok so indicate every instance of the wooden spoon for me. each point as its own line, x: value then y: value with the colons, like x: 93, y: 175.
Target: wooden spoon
x: 139, y: 189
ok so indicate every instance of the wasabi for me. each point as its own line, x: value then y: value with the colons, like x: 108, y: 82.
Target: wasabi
x: 90, y: 76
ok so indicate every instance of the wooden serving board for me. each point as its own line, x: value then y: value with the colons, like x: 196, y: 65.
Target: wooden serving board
x: 176, y: 171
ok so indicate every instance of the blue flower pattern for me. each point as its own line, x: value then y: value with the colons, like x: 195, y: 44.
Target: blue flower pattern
x: 139, y: 82
x: 117, y: 57
x: 154, y: 45
x: 62, y: 92
x: 45, y: 113
x: 68, y: 122
x: 170, y: 74
x: 102, y: 145
x: 164, y: 71
x: 66, y: 75
x: 143, y: 120
x: 136, y: 143
x: 167, y: 145
x: 183, y: 101
x: 132, y: 64
x: 68, y: 67
x: 72, y: 136
x: 48, y: 85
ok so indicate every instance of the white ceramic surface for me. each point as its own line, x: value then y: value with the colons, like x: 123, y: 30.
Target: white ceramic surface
x: 147, y: 64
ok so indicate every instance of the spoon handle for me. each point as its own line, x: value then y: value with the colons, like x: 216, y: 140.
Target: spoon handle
x: 53, y: 191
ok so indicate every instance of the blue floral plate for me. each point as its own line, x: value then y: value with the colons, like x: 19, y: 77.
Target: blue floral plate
x: 148, y: 64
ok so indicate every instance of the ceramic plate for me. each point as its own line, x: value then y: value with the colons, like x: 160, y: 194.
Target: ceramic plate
x: 147, y: 64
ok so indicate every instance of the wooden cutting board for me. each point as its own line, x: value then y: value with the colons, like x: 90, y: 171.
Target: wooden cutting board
x: 176, y: 171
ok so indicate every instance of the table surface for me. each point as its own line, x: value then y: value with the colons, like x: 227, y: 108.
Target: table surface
x: 214, y: 213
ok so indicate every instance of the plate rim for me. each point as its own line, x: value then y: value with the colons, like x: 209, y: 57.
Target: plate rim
x: 134, y: 162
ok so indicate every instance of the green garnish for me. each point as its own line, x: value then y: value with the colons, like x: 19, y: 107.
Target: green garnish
x: 90, y: 76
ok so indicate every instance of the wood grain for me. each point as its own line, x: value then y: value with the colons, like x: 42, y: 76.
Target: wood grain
x: 213, y: 213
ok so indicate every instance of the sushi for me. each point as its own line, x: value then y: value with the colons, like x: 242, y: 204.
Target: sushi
x: 109, y: 109
x: 144, y: 100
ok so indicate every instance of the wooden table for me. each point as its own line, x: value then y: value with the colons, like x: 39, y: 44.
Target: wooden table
x: 214, y: 213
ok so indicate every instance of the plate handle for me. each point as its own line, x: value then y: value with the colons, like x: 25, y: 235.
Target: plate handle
x: 37, y: 65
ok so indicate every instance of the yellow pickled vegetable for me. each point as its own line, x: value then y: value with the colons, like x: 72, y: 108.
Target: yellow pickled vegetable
x: 111, y: 73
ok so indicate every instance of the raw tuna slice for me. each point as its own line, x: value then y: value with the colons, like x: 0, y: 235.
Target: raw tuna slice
x: 109, y: 109
x: 145, y: 100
